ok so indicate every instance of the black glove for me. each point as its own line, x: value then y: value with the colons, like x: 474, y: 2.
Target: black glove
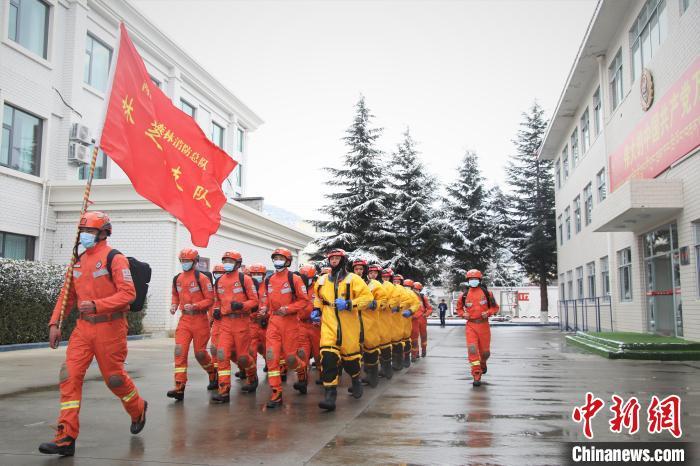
x: 217, y: 314
x: 236, y: 306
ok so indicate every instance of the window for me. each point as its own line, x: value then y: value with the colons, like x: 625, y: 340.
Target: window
x: 565, y: 161
x: 588, y: 203
x: 570, y: 284
x: 16, y: 246
x: 615, y: 76
x: 579, y: 283
x: 685, y: 4
x: 96, y: 67
x: 21, y: 140
x: 600, y: 180
x: 605, y: 275
x: 590, y: 275
x: 188, y: 108
x: 585, y: 132
x: 155, y: 81
x: 217, y: 134
x: 561, y: 231
x: 100, y: 168
x: 241, y: 140
x: 597, y: 112
x: 567, y: 220
x: 29, y: 25
x: 574, y: 148
x: 647, y: 33
x: 238, y: 175
x: 624, y: 267
x: 577, y: 214
x: 557, y: 173
x: 562, y: 287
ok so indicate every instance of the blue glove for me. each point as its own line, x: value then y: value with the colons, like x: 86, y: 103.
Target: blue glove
x: 316, y: 315
x: 406, y: 313
x: 395, y: 309
x: 342, y: 304
x: 372, y: 305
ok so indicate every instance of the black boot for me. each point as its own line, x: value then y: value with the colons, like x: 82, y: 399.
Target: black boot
x: 64, y: 447
x: 372, y: 375
x: 407, y: 360
x: 357, y: 387
x: 251, y: 385
x: 301, y: 386
x: 396, y: 361
x: 275, y: 400
x: 387, y: 369
x: 213, y: 383
x: 328, y: 402
x: 138, y: 425
x: 220, y: 398
x: 178, y: 392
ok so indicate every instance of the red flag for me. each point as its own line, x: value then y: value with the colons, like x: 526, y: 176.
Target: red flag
x: 162, y: 150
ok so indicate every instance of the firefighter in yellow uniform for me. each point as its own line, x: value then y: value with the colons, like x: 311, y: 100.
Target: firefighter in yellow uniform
x: 341, y: 296
x: 396, y: 331
x: 385, y: 319
x: 409, y: 304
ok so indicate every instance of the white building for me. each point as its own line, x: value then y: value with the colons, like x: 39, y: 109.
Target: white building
x: 54, y: 64
x: 624, y: 141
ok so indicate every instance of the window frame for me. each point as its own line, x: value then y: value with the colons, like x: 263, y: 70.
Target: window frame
x: 30, y: 245
x: 94, y: 38
x: 573, y: 142
x: 577, y: 214
x: 597, y: 112
x: 18, y: 22
x: 557, y: 173
x: 617, y: 89
x: 591, y: 279
x: 651, y: 11
x: 561, y: 230
x: 39, y: 144
x: 567, y: 221
x: 624, y: 266
x: 222, y: 136
x: 602, y: 185
x: 570, y: 283
x: 585, y: 122
x: 588, y: 204
x: 240, y: 139
x: 194, y: 109
x: 580, y: 288
x: 605, y: 275
x: 565, y: 162
x: 84, y: 170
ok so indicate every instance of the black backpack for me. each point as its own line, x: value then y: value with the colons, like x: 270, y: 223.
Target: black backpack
x: 241, y: 278
x: 196, y: 279
x: 290, y: 279
x: 141, y: 276
x: 490, y: 300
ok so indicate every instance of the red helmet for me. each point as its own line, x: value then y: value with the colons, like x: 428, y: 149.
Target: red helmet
x: 188, y: 255
x: 307, y: 270
x: 408, y: 282
x: 219, y: 268
x: 359, y: 262
x: 474, y: 273
x: 418, y: 286
x: 387, y: 272
x: 398, y: 277
x: 257, y: 268
x: 336, y: 252
x: 375, y: 268
x: 235, y: 255
x: 286, y: 253
x: 96, y: 219
x: 326, y: 270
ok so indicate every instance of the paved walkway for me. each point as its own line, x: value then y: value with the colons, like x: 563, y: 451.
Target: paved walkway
x: 428, y: 415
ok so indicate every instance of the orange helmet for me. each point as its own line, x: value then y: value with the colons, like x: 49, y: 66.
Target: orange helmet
x: 398, y: 276
x: 408, y: 282
x: 387, y: 272
x: 235, y: 255
x: 245, y: 270
x: 188, y: 255
x: 374, y: 268
x: 96, y: 219
x: 219, y: 268
x: 257, y: 268
x: 474, y: 273
x: 418, y: 286
x: 283, y: 252
x: 326, y: 270
x: 307, y: 270
x: 336, y: 252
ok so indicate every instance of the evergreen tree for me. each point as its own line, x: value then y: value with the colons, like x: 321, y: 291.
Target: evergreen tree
x: 532, y: 222
x: 467, y: 222
x: 503, y: 270
x: 356, y: 214
x: 417, y: 242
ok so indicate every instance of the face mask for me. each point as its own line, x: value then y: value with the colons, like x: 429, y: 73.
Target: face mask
x: 228, y: 267
x: 88, y: 240
x: 473, y: 283
x: 186, y: 266
x: 257, y: 277
x: 279, y: 264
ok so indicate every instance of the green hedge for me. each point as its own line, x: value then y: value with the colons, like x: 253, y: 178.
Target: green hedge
x: 28, y: 293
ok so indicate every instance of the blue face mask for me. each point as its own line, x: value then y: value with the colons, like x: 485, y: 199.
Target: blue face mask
x: 279, y: 264
x: 473, y: 283
x: 88, y: 240
x: 186, y: 266
x: 229, y: 267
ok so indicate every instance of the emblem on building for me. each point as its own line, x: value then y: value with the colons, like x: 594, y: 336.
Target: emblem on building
x: 646, y: 89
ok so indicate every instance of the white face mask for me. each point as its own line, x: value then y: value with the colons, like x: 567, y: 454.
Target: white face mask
x: 257, y: 277
x: 279, y: 264
x: 473, y: 283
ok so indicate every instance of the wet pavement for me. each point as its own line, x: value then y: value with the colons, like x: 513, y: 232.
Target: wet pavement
x: 429, y: 414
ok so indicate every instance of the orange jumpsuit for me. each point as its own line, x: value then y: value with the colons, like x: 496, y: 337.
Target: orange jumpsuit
x: 100, y: 334
x: 309, y: 332
x: 478, y: 330
x: 193, y: 326
x: 235, y: 326
x: 214, y: 341
x: 419, y: 328
x: 258, y: 328
x: 282, y: 330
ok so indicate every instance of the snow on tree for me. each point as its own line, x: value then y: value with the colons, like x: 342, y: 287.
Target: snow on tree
x: 503, y: 270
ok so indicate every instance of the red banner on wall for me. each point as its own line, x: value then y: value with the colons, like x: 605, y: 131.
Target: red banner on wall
x: 665, y: 134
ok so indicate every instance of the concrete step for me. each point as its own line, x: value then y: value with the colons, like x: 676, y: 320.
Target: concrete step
x: 616, y: 350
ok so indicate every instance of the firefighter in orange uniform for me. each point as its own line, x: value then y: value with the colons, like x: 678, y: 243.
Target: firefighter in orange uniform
x: 102, y: 297
x: 309, y: 320
x: 476, y: 305
x: 420, y: 324
x: 258, y: 324
x: 284, y: 296
x: 214, y: 325
x: 236, y: 298
x: 193, y: 294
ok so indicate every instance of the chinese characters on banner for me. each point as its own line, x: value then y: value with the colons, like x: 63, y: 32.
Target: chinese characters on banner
x: 665, y: 134
x: 163, y: 151
x: 661, y: 415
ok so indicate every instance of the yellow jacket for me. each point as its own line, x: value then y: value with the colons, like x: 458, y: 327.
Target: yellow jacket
x: 379, y: 294
x: 409, y: 300
x: 393, y: 295
x: 359, y: 292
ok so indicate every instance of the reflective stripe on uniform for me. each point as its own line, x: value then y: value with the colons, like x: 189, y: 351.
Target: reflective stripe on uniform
x: 475, y: 363
x: 128, y: 397
x: 180, y: 370
x: 226, y: 372
x: 73, y: 404
x: 273, y: 374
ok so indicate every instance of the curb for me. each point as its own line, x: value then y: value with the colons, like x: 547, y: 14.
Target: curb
x: 45, y: 344
x: 461, y: 323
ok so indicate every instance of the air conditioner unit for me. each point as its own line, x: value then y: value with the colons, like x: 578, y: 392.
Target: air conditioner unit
x: 80, y: 133
x: 79, y: 153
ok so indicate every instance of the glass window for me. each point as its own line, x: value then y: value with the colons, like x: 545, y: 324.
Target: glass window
x: 577, y: 214
x: 14, y: 246
x: 241, y: 140
x: 238, y: 175
x: 567, y: 220
x: 561, y: 230
x: 590, y: 274
x: 685, y: 4
x: 615, y: 76
x: 565, y: 161
x: 588, y: 203
x: 96, y: 67
x: 562, y: 288
x: 21, y: 140
x: 624, y: 267
x: 29, y: 25
x: 605, y: 275
x: 100, y: 168
x: 155, y: 81
x: 217, y: 134
x: 188, y: 108
x: 597, y: 112
x: 557, y: 173
x: 646, y: 34
x: 601, y: 183
x: 574, y: 148
x: 570, y: 284
x: 585, y: 132
x: 579, y: 282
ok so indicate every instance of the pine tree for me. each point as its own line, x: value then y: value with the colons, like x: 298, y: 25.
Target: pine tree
x: 503, y: 270
x: 467, y: 222
x: 532, y: 222
x: 356, y: 214
x: 417, y: 243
